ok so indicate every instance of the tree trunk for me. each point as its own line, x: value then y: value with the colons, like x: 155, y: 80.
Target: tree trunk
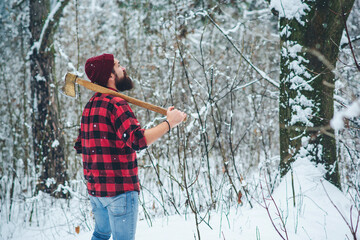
x: 48, y: 140
x: 307, y: 83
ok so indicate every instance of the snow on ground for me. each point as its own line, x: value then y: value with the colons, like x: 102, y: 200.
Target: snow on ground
x: 312, y: 217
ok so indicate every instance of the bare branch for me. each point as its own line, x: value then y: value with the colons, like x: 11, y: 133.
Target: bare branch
x: 262, y: 73
x: 348, y: 36
x: 350, y: 225
x: 353, y: 39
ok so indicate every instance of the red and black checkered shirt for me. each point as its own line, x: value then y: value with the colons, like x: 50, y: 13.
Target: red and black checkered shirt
x: 109, y: 136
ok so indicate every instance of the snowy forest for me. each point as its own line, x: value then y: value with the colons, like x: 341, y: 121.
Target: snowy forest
x: 271, y: 145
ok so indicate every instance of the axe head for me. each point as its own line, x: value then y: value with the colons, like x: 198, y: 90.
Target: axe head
x: 69, y: 87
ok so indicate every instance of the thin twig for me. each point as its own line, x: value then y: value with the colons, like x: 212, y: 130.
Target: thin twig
x: 283, y: 227
x: 348, y: 37
x: 262, y: 73
x: 350, y: 225
x: 268, y: 212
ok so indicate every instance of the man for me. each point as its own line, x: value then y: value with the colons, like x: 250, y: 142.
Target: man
x: 109, y: 136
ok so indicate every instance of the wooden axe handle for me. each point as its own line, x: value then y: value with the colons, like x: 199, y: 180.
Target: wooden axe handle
x: 137, y: 102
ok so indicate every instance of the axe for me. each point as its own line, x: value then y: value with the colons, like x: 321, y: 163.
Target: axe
x: 69, y: 90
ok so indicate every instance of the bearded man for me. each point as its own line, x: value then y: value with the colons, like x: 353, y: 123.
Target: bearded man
x: 108, y: 139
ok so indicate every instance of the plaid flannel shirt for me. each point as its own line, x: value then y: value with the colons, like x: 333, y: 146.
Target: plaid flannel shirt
x: 109, y: 136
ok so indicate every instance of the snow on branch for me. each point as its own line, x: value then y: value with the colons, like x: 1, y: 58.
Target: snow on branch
x: 290, y: 9
x: 259, y: 71
x: 351, y: 111
x: 353, y: 39
x: 49, y: 22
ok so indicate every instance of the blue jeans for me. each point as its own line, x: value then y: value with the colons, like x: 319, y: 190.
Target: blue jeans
x: 115, y: 215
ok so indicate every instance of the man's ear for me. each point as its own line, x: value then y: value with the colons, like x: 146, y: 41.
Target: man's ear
x: 111, y: 80
x: 112, y: 76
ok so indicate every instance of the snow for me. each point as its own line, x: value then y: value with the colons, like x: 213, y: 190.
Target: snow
x: 302, y: 107
x: 36, y: 46
x: 314, y: 215
x: 302, y: 115
x: 351, y: 111
x: 290, y: 9
x: 55, y: 144
x: 286, y: 31
x: 40, y: 78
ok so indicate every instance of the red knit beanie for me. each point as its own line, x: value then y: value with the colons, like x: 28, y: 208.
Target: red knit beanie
x: 98, y: 69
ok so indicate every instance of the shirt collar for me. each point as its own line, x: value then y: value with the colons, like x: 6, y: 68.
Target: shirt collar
x: 113, y: 89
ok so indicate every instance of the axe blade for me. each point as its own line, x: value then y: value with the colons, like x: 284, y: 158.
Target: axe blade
x: 69, y: 88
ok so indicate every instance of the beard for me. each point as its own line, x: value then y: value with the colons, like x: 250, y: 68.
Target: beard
x: 123, y: 84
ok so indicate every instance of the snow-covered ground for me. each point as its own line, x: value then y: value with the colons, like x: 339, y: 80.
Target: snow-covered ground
x: 314, y: 216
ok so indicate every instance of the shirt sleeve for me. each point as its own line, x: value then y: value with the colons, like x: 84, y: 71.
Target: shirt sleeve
x: 128, y: 128
x: 78, y: 146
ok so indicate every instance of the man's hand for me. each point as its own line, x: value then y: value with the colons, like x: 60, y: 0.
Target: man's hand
x: 174, y: 116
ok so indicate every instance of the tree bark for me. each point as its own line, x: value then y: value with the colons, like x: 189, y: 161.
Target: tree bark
x: 306, y: 88
x: 48, y: 140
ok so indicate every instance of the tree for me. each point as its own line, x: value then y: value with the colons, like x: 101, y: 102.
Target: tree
x: 48, y: 141
x: 310, y: 34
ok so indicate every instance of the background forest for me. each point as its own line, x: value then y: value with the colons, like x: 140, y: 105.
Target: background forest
x: 221, y: 62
